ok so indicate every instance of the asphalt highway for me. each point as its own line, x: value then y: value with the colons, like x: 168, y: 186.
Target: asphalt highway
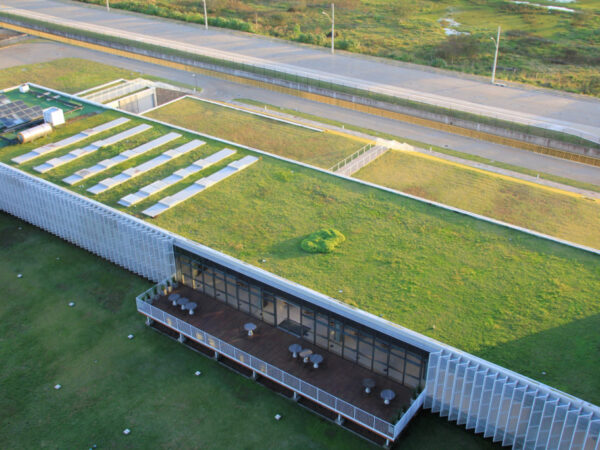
x: 549, y: 109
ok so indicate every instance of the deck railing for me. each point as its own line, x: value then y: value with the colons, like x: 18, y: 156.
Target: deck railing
x: 331, y: 402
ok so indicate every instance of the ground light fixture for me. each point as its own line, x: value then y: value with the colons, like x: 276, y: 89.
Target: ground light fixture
x: 332, y: 19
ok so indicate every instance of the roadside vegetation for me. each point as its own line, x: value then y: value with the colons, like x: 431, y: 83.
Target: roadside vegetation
x: 549, y: 48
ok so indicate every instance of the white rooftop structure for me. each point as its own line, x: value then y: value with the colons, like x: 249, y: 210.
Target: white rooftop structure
x: 133, y: 172
x: 176, y: 177
x: 121, y: 157
x: 52, y: 147
x: 199, y: 186
x: 78, y: 153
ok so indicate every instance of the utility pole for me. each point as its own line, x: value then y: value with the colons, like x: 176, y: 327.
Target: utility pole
x: 497, y: 42
x: 107, y: 6
x: 332, y: 18
x: 205, y: 16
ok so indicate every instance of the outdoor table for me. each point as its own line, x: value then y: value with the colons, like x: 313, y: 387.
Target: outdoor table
x: 173, y: 298
x: 182, y: 301
x: 316, y: 360
x: 305, y: 354
x: 250, y: 327
x: 368, y: 384
x: 387, y: 395
x: 191, y: 306
x: 295, y: 349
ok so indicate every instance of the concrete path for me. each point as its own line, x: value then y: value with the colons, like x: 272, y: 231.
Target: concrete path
x: 218, y: 89
x: 544, y: 108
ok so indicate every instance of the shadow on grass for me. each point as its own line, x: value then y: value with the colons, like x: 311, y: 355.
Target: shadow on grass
x: 565, y: 357
x: 289, y: 249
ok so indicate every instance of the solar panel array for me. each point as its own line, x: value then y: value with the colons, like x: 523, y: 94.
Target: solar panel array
x: 17, y: 113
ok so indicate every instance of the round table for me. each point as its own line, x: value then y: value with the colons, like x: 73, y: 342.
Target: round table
x: 191, y: 306
x: 250, y: 328
x: 173, y: 298
x: 387, y: 395
x: 305, y: 354
x: 295, y: 349
x: 316, y: 360
x: 368, y: 384
x: 182, y: 301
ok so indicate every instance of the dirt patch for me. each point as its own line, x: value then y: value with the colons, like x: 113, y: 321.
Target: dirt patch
x: 166, y: 95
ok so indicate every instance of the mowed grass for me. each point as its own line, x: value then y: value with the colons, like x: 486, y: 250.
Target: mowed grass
x: 322, y: 149
x: 519, y: 301
x: 147, y: 384
x: 569, y: 217
x: 468, y: 283
x: 68, y: 75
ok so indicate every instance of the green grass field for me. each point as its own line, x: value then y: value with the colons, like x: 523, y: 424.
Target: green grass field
x: 321, y: 149
x: 572, y: 218
x: 519, y: 301
x: 547, y: 48
x: 147, y: 384
x: 467, y: 156
x: 70, y: 75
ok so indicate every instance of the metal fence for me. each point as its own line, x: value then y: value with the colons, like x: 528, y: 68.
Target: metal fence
x: 345, y: 409
x: 120, y: 238
x: 360, y: 162
x: 361, y: 151
x: 507, y: 407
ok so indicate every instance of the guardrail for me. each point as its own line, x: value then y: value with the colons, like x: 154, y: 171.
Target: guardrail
x: 313, y: 393
x: 337, y: 166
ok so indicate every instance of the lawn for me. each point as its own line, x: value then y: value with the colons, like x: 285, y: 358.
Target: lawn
x: 70, y: 75
x: 467, y: 156
x: 147, y: 384
x: 569, y: 217
x: 321, y: 149
x: 547, y: 48
x: 516, y: 300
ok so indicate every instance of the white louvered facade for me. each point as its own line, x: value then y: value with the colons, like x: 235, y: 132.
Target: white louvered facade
x: 507, y: 407
x: 119, y: 238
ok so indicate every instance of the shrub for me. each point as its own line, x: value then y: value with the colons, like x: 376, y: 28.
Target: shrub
x: 324, y: 240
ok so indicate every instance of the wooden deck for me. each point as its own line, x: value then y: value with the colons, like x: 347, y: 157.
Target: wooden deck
x: 336, y: 375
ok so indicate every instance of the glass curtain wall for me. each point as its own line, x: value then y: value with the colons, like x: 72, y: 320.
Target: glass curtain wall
x: 347, y: 339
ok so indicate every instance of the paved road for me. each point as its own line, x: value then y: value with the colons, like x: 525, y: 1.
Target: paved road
x: 217, y: 89
x: 576, y: 114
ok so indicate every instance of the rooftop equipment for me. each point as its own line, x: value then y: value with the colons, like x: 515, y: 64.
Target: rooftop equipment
x: 31, y: 134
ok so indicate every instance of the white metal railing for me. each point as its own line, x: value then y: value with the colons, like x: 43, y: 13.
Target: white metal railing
x: 360, y: 162
x: 337, y: 166
x: 409, y: 414
x: 345, y: 409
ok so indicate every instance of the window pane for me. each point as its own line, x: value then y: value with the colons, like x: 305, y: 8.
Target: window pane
x: 335, y: 336
x: 308, y: 324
